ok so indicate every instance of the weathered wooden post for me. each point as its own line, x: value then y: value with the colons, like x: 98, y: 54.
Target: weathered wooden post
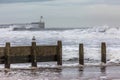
x: 7, y: 55
x: 33, y: 53
x: 81, y: 54
x: 59, y: 53
x: 103, y: 52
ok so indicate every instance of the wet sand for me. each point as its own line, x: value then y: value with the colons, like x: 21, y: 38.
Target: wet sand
x: 63, y: 73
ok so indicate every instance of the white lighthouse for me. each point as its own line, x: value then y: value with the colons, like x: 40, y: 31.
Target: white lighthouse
x: 33, y: 26
x: 41, y: 24
x: 38, y: 25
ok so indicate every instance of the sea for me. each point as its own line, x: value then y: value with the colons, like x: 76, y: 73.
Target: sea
x: 91, y: 37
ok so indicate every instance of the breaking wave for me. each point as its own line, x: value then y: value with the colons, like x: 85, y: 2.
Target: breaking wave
x: 90, y: 37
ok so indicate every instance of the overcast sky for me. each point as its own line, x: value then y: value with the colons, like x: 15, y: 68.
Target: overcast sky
x: 62, y: 13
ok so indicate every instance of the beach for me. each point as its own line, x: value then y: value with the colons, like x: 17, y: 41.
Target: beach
x: 62, y: 73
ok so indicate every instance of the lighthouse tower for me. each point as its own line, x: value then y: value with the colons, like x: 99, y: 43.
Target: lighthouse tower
x: 41, y: 24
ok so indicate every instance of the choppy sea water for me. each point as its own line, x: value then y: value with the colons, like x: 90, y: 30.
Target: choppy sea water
x: 71, y: 38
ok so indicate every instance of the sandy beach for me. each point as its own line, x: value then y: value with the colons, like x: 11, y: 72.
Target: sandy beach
x: 65, y: 72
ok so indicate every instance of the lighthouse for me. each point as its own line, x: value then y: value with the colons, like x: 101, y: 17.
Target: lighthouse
x: 38, y: 25
x: 33, y: 26
x: 41, y: 24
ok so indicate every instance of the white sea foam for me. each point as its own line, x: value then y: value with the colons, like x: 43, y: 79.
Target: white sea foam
x: 90, y: 37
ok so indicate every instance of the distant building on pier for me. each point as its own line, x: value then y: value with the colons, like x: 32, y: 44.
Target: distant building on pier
x: 40, y: 24
x: 31, y: 26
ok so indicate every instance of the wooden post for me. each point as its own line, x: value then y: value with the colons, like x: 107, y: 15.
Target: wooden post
x: 81, y: 54
x: 7, y: 55
x: 59, y: 53
x: 103, y: 52
x: 33, y: 55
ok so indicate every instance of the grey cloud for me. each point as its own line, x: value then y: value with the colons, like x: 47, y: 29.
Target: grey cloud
x: 104, y: 2
x: 107, y: 2
x: 18, y: 1
x: 83, y: 2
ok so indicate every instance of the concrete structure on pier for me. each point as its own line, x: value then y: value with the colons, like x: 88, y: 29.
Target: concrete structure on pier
x: 29, y: 26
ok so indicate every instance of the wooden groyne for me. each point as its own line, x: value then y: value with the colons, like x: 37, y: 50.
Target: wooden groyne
x: 40, y: 53
x: 30, y: 54
x: 103, y: 53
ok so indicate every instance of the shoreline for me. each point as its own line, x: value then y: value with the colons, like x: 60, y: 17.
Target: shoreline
x: 89, y: 73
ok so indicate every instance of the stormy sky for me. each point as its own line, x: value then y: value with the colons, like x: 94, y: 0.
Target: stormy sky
x: 62, y: 13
